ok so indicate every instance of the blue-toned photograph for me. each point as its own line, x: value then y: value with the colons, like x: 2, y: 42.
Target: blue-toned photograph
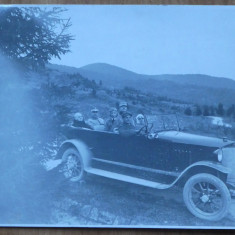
x: 118, y: 116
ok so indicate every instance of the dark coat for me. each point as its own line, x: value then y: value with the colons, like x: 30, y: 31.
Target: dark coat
x: 80, y: 124
x: 127, y: 129
x: 112, y: 123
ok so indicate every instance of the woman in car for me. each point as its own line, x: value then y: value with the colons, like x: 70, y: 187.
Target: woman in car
x: 139, y: 121
x: 78, y: 121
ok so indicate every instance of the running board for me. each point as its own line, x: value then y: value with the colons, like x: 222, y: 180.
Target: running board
x: 127, y: 178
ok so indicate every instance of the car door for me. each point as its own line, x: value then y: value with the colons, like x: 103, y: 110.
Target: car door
x: 133, y: 150
x: 144, y: 158
x: 145, y: 152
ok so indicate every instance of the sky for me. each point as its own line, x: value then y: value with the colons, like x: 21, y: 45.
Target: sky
x: 150, y: 39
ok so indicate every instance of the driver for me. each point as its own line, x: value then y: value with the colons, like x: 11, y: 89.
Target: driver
x: 127, y: 128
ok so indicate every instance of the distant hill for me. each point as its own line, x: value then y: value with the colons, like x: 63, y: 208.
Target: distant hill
x: 193, y: 88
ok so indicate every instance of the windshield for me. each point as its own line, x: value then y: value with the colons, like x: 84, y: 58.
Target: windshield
x: 164, y: 122
x: 207, y: 126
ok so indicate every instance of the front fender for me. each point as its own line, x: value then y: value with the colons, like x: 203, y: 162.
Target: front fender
x: 214, y: 165
x: 81, y: 147
x: 214, y: 168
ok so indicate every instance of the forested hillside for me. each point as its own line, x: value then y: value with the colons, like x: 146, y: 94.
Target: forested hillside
x: 189, y: 88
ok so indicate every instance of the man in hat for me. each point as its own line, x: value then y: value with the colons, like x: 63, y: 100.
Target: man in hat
x: 95, y: 122
x: 122, y: 107
x: 127, y: 128
x: 114, y: 121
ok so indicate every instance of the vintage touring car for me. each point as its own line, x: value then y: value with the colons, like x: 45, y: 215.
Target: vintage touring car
x: 203, y: 166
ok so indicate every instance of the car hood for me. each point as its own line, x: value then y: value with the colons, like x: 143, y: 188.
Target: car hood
x: 186, y: 138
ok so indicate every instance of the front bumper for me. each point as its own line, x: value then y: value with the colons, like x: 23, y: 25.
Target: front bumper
x: 232, y: 192
x: 231, y: 179
x: 229, y: 162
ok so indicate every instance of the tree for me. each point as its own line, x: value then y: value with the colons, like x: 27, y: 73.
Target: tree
x: 93, y: 92
x: 188, y: 111
x: 212, y: 110
x: 33, y: 35
x: 220, y: 110
x: 198, y: 111
x: 206, y: 110
x: 94, y: 84
x: 231, y: 111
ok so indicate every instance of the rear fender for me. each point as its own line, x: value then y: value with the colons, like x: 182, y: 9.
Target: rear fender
x: 82, y: 148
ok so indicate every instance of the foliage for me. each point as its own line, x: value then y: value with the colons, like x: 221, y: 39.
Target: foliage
x: 198, y: 111
x: 188, y: 111
x: 94, y: 92
x: 206, y: 110
x: 131, y: 90
x: 33, y: 35
x: 212, y: 110
x: 231, y: 111
x: 220, y: 110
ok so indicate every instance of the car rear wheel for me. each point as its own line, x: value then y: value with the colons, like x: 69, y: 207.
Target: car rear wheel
x: 207, y: 197
x: 72, y: 167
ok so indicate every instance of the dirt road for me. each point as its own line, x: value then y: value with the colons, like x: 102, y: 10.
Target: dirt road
x: 99, y: 201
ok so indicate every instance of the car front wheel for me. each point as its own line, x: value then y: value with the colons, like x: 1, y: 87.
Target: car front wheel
x: 72, y: 165
x: 207, y: 197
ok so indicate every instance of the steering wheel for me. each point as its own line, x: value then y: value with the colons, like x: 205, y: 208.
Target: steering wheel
x: 145, y: 130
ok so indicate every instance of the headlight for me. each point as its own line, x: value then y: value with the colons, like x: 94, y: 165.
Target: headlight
x: 219, y: 153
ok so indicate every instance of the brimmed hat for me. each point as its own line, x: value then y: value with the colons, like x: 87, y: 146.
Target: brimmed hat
x: 112, y: 109
x: 95, y: 110
x: 140, y: 116
x: 123, y: 103
x: 125, y: 114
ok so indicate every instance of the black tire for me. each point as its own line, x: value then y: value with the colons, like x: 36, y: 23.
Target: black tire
x: 200, y: 194
x: 72, y: 165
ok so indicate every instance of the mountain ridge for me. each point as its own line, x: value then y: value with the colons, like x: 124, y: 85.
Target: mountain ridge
x: 97, y: 67
x: 195, y: 88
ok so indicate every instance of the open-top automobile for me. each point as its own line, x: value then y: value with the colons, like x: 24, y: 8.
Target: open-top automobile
x: 203, y: 166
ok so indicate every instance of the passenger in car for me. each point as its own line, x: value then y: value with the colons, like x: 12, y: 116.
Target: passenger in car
x: 95, y: 122
x: 113, y: 122
x: 139, y: 121
x: 78, y: 121
x: 127, y: 128
x: 123, y: 106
